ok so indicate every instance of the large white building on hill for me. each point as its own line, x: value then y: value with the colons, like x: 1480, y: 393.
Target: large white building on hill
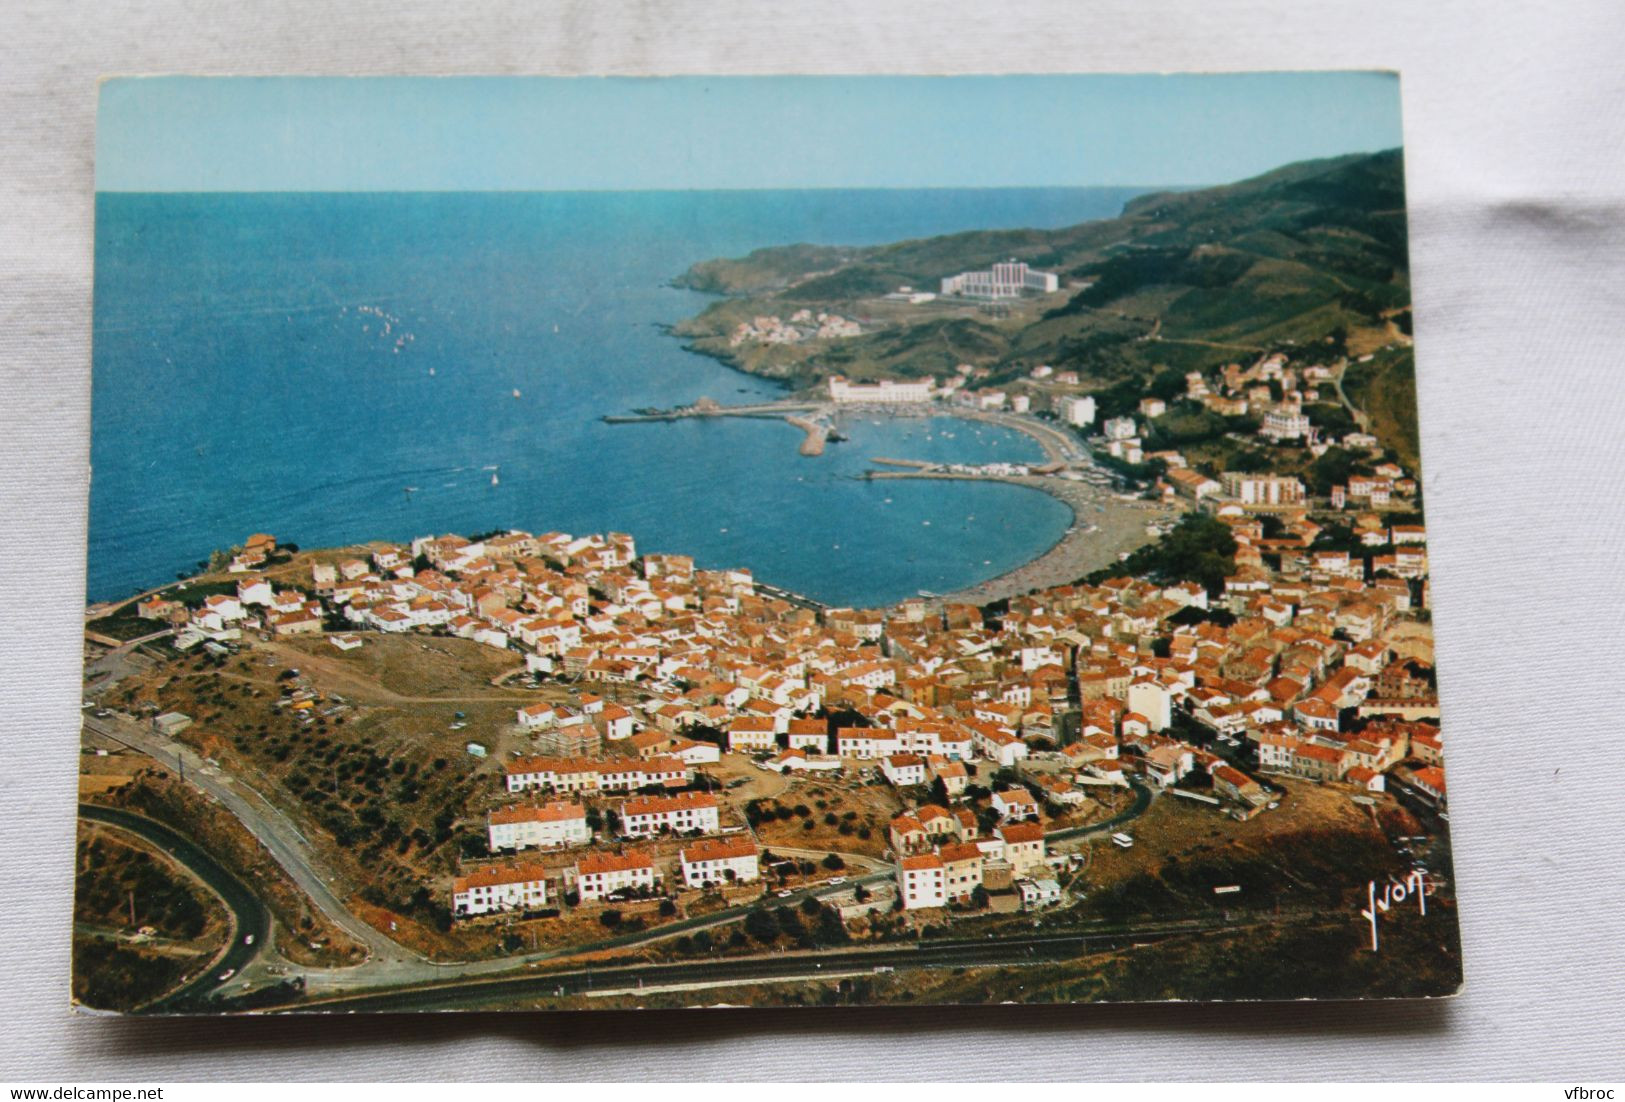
x: 1006, y: 280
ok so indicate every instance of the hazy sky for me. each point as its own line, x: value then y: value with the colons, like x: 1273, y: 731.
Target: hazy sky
x: 482, y: 134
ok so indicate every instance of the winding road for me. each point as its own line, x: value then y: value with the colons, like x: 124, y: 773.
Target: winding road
x: 265, y: 822
x: 250, y: 921
x: 389, y: 964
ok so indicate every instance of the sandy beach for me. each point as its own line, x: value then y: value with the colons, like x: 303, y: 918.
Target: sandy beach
x: 1121, y: 528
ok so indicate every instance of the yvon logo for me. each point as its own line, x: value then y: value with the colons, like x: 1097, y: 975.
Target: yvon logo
x: 1393, y: 893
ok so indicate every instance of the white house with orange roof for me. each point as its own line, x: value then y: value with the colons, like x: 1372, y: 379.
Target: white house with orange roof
x: 717, y: 861
x: 540, y: 715
x: 255, y: 591
x: 690, y: 752
x: 599, y: 875
x: 499, y: 888
x: 547, y: 826
x: 1024, y: 847
x: 903, y: 770
x: 684, y: 813
x: 1015, y: 805
x: 615, y: 721
x: 922, y: 882
x: 752, y: 734
x: 865, y: 743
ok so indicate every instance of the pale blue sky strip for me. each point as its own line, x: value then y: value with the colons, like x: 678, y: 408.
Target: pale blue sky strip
x: 567, y: 134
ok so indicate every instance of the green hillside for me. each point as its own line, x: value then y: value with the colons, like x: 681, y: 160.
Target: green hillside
x: 1310, y: 253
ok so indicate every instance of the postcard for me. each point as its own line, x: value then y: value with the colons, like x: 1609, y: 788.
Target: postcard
x: 773, y: 541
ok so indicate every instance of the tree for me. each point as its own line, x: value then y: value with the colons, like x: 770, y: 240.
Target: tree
x: 831, y: 930
x: 1333, y: 469
x: 833, y: 862
x: 667, y: 908
x: 763, y: 925
x: 1168, y: 385
x: 979, y: 896
x: 610, y: 919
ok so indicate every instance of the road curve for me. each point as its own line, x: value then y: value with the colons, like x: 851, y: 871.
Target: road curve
x: 249, y: 917
x: 273, y: 829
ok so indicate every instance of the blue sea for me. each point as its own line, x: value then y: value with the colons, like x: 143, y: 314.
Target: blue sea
x: 335, y: 368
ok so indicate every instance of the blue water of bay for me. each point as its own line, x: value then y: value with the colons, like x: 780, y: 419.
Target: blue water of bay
x: 335, y: 368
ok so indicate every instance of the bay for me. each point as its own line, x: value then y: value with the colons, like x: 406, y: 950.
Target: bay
x: 334, y: 368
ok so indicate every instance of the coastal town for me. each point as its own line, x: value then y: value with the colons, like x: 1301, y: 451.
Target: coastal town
x: 1263, y: 646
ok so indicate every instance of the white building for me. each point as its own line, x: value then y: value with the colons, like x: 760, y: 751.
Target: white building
x: 1262, y: 489
x: 515, y: 887
x: 598, y: 875
x: 750, y: 734
x: 1038, y: 893
x: 684, y: 813
x: 1078, y: 411
x: 548, y: 826
x: 1024, y: 847
x: 922, y: 882
x: 903, y: 769
x: 1120, y: 428
x: 884, y: 392
x: 1153, y: 701
x: 720, y: 861
x: 866, y: 742
x: 537, y: 715
x: 1015, y: 805
x: 1007, y: 280
x: 1285, y: 424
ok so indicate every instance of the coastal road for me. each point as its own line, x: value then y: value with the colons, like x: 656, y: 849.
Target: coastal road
x: 249, y: 918
x: 967, y: 953
x: 264, y: 821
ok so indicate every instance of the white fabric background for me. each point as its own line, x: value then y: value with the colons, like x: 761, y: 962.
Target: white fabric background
x: 1515, y: 149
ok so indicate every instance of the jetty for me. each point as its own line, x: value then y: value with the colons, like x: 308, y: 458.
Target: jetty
x: 817, y: 434
x: 705, y: 407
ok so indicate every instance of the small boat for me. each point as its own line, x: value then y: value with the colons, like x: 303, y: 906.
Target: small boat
x: 494, y: 480
x: 431, y: 371
x: 555, y: 329
x: 516, y: 392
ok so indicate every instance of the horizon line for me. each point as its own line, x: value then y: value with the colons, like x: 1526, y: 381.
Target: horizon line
x: 650, y: 190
